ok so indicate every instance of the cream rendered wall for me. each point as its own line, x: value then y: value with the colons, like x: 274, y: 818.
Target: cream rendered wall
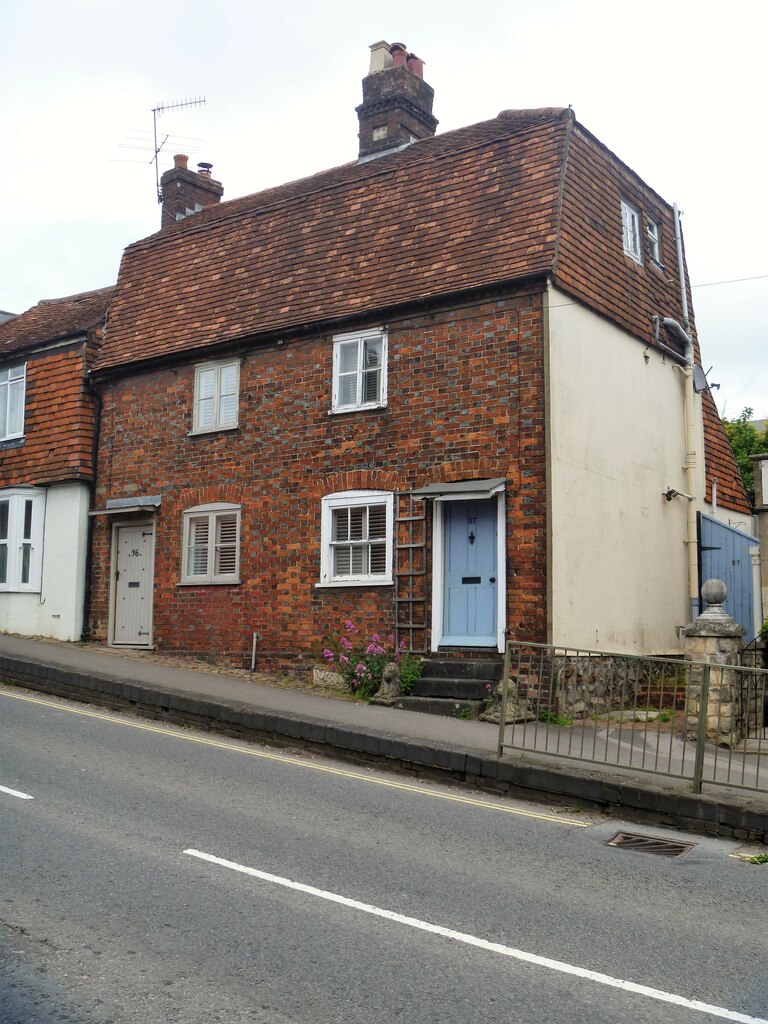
x: 616, y: 442
x: 57, y: 611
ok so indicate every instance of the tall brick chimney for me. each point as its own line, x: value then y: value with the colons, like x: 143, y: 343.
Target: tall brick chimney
x: 185, y: 193
x: 397, y: 102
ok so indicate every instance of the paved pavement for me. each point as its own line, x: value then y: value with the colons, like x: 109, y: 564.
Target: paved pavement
x: 450, y: 749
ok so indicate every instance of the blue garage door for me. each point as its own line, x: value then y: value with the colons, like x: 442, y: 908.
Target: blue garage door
x: 724, y: 555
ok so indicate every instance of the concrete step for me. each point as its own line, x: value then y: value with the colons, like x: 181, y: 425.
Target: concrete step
x: 453, y: 689
x: 462, y: 668
x: 440, y: 706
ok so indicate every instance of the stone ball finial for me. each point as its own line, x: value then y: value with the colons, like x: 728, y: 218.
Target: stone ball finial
x: 714, y: 592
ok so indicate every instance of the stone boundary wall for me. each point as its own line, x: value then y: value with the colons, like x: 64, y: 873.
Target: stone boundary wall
x: 743, y: 817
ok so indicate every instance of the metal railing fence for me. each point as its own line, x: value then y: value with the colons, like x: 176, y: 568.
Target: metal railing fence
x: 691, y: 720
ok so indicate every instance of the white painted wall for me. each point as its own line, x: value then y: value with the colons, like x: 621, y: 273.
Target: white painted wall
x: 57, y: 611
x: 618, y: 564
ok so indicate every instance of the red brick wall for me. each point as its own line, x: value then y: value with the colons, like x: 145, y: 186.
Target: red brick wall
x: 58, y: 422
x: 465, y: 400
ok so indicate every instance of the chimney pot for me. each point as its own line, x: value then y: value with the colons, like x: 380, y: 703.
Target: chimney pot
x: 180, y: 160
x: 204, y: 169
x: 416, y: 65
x: 399, y: 55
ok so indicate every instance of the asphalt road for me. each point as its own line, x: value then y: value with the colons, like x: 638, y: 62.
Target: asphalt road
x: 162, y: 875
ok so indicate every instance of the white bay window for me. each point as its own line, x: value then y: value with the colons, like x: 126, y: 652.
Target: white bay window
x: 22, y: 517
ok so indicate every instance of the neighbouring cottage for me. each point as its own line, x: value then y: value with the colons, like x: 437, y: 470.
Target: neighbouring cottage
x: 48, y: 418
x: 445, y: 389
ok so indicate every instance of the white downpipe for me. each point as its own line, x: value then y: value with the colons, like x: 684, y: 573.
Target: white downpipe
x: 690, y: 433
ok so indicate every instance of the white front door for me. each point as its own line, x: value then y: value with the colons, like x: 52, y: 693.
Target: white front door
x: 134, y: 578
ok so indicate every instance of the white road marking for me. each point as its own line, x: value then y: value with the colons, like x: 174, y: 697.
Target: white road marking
x: 15, y: 792
x: 491, y: 947
x: 169, y: 733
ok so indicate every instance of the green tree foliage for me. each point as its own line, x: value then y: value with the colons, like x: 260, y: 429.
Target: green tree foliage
x: 746, y: 440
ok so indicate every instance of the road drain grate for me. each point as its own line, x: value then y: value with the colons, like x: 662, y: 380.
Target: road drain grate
x: 650, y: 844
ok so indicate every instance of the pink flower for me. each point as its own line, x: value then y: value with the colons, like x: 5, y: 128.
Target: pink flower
x: 343, y: 659
x: 346, y: 643
x: 328, y: 655
x: 375, y: 638
x: 403, y: 644
x: 349, y: 626
x: 360, y: 669
x: 391, y: 638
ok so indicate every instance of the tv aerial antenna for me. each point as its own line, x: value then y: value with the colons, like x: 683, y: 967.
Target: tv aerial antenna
x: 157, y: 111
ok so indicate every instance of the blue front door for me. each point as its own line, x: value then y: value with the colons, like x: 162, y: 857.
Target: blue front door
x: 469, y: 600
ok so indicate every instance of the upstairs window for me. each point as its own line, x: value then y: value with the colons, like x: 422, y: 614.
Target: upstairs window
x: 22, y: 517
x: 12, y: 386
x: 216, y: 396
x: 359, y: 371
x: 653, y: 234
x: 212, y: 544
x: 356, y: 538
x: 630, y: 222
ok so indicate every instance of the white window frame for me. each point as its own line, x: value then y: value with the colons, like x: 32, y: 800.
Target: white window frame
x: 19, y: 383
x: 354, y: 499
x: 213, y: 513
x: 631, y: 225
x: 361, y: 337
x: 653, y: 234
x: 218, y: 422
x: 23, y: 543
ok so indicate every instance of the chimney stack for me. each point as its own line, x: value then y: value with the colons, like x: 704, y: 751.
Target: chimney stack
x: 397, y: 102
x: 185, y: 192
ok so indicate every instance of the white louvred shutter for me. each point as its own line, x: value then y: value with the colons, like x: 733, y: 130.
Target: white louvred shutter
x: 226, y: 545
x: 197, y: 554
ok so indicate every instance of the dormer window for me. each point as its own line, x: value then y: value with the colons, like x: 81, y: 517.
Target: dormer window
x: 630, y: 223
x: 12, y: 388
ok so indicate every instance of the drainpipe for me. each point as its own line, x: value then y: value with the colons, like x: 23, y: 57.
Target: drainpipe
x: 684, y: 334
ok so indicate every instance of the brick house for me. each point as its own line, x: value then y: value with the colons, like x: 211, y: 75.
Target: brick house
x: 47, y: 446
x: 438, y: 390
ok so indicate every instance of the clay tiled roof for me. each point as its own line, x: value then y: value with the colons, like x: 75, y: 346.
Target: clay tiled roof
x: 54, y: 320
x: 59, y: 411
x: 464, y: 209
x: 720, y: 462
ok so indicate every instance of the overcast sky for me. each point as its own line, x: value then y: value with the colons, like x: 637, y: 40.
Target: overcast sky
x: 676, y: 88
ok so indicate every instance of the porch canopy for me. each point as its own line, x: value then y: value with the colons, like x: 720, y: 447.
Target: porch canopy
x: 140, y: 503
x: 461, y: 490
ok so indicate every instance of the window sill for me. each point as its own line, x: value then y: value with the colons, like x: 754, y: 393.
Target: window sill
x: 372, y: 407
x: 637, y: 260
x: 12, y: 442
x: 386, y: 582
x: 214, y: 430
x: 209, y: 583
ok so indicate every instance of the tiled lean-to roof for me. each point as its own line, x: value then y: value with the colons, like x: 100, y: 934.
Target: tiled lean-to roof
x: 720, y: 462
x: 54, y: 320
